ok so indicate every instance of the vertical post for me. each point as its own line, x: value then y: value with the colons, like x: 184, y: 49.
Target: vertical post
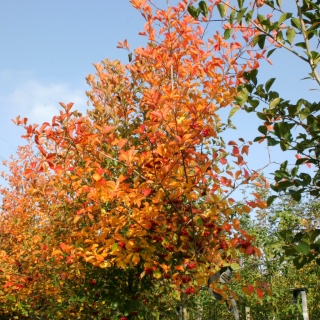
x: 303, y: 292
x: 304, y: 305
x: 247, y: 313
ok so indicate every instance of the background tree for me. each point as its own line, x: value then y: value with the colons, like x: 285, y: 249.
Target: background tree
x: 291, y: 125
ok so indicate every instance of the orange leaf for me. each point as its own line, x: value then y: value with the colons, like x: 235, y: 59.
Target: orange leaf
x: 260, y: 293
x: 121, y: 143
x: 179, y: 268
x: 55, y: 252
x: 99, y: 257
x: 245, y: 149
x: 246, y: 291
x: 236, y: 224
x: 28, y: 171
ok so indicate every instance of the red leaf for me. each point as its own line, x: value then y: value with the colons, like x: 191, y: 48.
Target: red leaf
x: 260, y: 293
x: 250, y: 250
x: 28, y: 171
x: 146, y: 192
x: 250, y: 287
x: 223, y: 160
x: 235, y: 150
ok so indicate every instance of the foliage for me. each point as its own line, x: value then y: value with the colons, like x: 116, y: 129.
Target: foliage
x: 283, y: 118
x: 139, y: 189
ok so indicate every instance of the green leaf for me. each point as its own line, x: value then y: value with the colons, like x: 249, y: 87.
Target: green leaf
x: 299, y: 262
x: 222, y: 10
x: 242, y: 97
x: 254, y: 103
x: 284, y: 165
x: 130, y: 57
x: 294, y: 171
x: 279, y: 3
x: 285, y: 234
x: 314, y: 234
x: 270, y: 200
x: 284, y: 145
x: 253, y: 76
x: 302, y: 247
x: 270, y: 52
x: 263, y: 130
x: 232, y: 112
x: 257, y: 39
x: 296, y: 195
x: 241, y: 14
x: 199, y: 222
x: 284, y: 17
x: 232, y: 15
x: 295, y: 22
x: 291, y: 33
x: 203, y: 7
x: 227, y: 34
x: 114, y: 246
x: 269, y: 83
x: 249, y: 16
x: 279, y: 36
x: 261, y: 41
x: 262, y: 116
x: 240, y: 3
x: 272, y: 142
x: 274, y: 102
x: 306, y: 178
x: 261, y: 18
x: 193, y: 12
x: 301, y: 45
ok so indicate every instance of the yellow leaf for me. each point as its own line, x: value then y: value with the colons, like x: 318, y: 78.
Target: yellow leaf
x: 96, y: 177
x: 201, y: 280
x: 76, y: 219
x: 136, y: 258
x: 246, y: 209
x: 55, y: 252
x: 89, y: 258
x: 105, y: 264
x: 157, y: 274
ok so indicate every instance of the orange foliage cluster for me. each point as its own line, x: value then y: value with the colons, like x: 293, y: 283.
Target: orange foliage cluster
x: 141, y: 179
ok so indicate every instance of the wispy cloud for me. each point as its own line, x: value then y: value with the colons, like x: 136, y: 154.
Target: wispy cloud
x: 40, y: 102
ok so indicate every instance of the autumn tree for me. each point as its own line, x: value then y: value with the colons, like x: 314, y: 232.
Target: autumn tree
x: 143, y: 181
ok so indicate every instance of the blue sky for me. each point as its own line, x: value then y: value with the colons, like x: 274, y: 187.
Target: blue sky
x: 48, y: 47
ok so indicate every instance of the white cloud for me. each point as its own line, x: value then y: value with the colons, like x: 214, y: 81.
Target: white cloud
x: 40, y: 102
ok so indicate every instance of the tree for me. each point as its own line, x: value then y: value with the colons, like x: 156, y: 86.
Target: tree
x: 282, y: 118
x: 291, y: 125
x: 142, y: 183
